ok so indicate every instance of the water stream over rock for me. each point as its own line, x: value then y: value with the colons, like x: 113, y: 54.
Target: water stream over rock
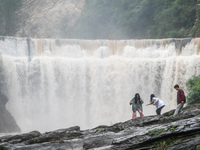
x: 58, y: 83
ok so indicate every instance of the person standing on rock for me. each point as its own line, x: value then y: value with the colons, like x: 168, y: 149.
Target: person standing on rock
x: 180, y: 99
x: 136, y: 103
x: 157, y: 102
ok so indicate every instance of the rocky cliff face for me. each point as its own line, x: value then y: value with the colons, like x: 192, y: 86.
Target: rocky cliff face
x: 47, y: 18
x: 7, y: 122
x: 181, y: 132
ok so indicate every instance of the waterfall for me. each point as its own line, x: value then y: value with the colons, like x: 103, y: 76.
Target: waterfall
x: 58, y: 83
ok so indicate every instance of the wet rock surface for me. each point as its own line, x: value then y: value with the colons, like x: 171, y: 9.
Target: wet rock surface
x: 7, y: 122
x: 151, y: 132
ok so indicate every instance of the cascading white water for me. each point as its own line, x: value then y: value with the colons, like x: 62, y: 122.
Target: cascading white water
x: 60, y: 83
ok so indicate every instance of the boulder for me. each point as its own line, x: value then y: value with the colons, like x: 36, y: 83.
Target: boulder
x: 151, y: 132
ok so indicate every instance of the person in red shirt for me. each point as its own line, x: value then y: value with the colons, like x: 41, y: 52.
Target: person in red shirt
x: 181, y: 100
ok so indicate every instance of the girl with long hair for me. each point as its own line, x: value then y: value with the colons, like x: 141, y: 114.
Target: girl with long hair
x: 157, y: 102
x: 136, y: 103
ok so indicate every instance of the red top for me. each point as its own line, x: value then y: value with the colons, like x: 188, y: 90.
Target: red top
x: 180, y: 96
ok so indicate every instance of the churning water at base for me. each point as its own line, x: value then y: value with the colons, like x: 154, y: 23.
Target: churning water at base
x: 55, y: 84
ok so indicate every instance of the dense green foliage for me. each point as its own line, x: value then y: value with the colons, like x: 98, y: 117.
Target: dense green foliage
x: 7, y: 11
x: 193, y: 86
x: 124, y: 19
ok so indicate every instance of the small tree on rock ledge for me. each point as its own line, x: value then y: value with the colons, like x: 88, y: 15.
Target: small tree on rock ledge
x: 193, y: 86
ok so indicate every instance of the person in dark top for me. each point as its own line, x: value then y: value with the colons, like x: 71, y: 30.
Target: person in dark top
x: 136, y: 103
x: 181, y: 100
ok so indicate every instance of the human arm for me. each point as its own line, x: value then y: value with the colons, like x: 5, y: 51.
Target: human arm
x: 132, y: 101
x: 141, y: 101
x: 154, y: 102
x: 182, y: 95
x: 150, y: 103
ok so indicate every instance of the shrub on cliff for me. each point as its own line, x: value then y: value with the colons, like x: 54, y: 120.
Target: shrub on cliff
x: 193, y: 86
x: 125, y: 19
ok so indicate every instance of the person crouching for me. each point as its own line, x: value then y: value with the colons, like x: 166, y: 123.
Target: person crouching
x: 157, y: 102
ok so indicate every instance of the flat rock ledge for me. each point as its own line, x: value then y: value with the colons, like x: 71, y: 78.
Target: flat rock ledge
x: 181, y: 132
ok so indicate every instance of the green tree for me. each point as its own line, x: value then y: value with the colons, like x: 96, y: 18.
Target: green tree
x: 175, y: 19
x: 193, y: 86
x: 195, y: 31
x: 127, y: 19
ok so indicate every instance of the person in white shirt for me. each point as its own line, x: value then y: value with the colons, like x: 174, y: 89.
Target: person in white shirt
x: 157, y: 102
